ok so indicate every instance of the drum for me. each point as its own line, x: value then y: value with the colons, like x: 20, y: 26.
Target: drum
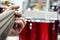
x: 40, y: 30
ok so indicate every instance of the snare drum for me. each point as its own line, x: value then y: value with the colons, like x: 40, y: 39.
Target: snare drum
x: 40, y: 30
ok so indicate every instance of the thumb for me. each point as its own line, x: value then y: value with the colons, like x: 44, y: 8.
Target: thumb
x: 12, y: 8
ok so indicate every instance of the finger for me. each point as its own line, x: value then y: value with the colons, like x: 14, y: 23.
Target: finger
x: 20, y: 22
x: 21, y: 18
x: 14, y: 7
x: 22, y: 25
x: 11, y: 32
x: 18, y: 14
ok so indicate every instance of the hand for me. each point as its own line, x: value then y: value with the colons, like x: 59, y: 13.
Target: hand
x: 19, y: 23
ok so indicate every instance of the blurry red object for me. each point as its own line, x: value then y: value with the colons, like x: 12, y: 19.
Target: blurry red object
x: 1, y: 10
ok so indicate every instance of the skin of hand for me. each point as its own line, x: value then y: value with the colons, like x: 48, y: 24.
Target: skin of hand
x: 19, y: 23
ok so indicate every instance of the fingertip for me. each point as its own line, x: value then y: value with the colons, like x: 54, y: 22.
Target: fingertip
x: 15, y: 7
x: 18, y: 14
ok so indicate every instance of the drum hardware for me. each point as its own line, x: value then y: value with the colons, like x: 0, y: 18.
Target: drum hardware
x: 30, y: 26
